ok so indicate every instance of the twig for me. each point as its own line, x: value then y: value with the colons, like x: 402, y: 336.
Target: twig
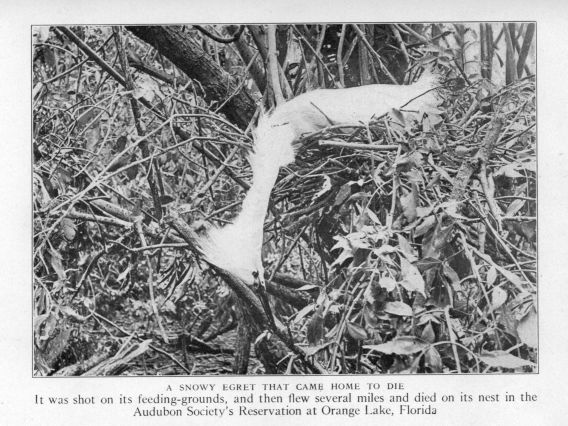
x: 156, y: 73
x: 184, y: 135
x: 409, y: 30
x: 523, y: 54
x: 390, y: 217
x: 219, y: 39
x: 273, y: 66
x: 222, y: 330
x: 132, y: 335
x: 351, y: 145
x: 316, y: 54
x: 503, y: 245
x: 338, y: 57
x: 375, y: 54
x: 287, y: 254
x: 475, y: 270
x: 153, y: 169
x: 493, y: 207
x: 138, y: 226
x: 242, y: 83
x: 94, y: 259
x: 244, y: 292
x: 401, y: 44
x: 247, y: 55
x: 74, y: 214
x: 93, y: 55
x: 452, y: 338
x: 201, y: 191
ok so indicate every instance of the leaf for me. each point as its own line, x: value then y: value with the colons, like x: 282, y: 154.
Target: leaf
x: 411, y: 278
x: 45, y: 326
x: 498, y: 297
x: 405, y: 345
x: 121, y: 143
x: 132, y: 171
x: 312, y: 350
x: 57, y: 264
x: 315, y: 329
x: 452, y: 275
x: 516, y: 281
x: 514, y: 207
x: 40, y: 33
x: 427, y: 263
x: 343, y: 194
x: 307, y: 287
x: 358, y: 240
x: 529, y: 165
x: 413, y: 159
x: 398, y: 308
x: 373, y: 216
x: 508, y: 320
x: 39, y: 320
x: 428, y: 334
x: 509, y: 170
x: 502, y: 359
x: 93, y: 136
x: 491, y: 276
x: 302, y: 313
x: 428, y: 223
x: 384, y: 250
x: 166, y: 199
x: 86, y: 117
x: 511, y: 277
x: 356, y: 331
x: 118, y: 163
x: 528, y: 330
x: 370, y: 317
x: 49, y: 56
x: 146, y: 88
x: 406, y: 248
x: 325, y: 187
x: 432, y: 119
x: 68, y: 229
x: 168, y: 306
x: 388, y: 283
x: 68, y: 311
x: 433, y: 359
x: 398, y: 116
x: 342, y: 258
x: 451, y: 208
x: 346, y: 250
x: 409, y: 204
x: 124, y: 274
x: 58, y: 285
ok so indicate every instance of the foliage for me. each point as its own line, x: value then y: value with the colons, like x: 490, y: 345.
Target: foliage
x: 410, y: 246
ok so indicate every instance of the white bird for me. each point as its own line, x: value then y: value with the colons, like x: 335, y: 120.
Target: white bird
x: 237, y: 247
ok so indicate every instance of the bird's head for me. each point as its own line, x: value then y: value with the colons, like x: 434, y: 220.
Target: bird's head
x: 258, y: 278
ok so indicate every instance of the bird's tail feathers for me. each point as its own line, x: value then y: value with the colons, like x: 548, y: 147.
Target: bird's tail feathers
x: 429, y: 79
x: 427, y: 91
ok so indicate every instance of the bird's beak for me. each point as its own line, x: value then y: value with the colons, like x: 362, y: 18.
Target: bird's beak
x: 258, y: 280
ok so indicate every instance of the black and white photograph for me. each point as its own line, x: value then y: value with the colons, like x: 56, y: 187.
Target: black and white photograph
x: 284, y: 199
x: 286, y: 213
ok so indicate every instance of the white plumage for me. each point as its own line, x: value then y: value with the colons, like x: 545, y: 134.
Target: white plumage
x: 237, y: 246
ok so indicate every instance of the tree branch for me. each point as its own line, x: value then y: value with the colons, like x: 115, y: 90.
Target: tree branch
x: 189, y: 57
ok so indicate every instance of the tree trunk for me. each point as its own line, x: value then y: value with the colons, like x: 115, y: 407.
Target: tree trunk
x: 189, y: 57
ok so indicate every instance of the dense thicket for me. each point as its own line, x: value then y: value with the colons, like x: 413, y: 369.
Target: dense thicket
x: 396, y: 246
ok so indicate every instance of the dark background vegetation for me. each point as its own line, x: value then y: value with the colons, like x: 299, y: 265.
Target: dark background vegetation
x: 417, y: 256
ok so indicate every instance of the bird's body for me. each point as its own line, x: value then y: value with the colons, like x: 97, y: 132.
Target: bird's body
x: 237, y: 247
